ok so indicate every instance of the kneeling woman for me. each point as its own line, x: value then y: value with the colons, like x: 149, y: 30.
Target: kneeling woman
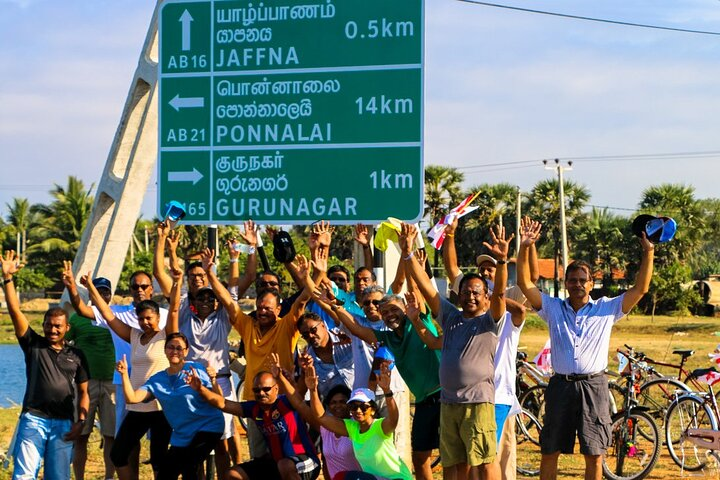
x: 196, y: 425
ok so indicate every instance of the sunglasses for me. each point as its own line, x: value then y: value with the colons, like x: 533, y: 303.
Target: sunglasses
x: 143, y: 286
x: 262, y: 389
x: 367, y: 303
x: 310, y: 331
x: 268, y: 284
x: 362, y: 406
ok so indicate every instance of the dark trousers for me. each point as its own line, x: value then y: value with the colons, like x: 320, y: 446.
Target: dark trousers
x: 135, y: 425
x: 186, y: 460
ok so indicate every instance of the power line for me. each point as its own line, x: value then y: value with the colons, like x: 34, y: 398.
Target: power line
x: 591, y: 19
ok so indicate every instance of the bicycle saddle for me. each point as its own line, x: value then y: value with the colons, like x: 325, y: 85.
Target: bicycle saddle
x: 684, y: 353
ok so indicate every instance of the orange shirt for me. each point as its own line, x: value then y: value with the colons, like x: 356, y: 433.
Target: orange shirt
x: 282, y: 339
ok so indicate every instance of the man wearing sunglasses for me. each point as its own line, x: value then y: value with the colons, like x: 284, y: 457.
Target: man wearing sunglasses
x: 291, y: 450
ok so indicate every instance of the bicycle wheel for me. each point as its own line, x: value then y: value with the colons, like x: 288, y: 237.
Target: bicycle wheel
x: 686, y: 412
x: 657, y: 394
x: 527, y: 438
x: 632, y: 455
x: 533, y: 400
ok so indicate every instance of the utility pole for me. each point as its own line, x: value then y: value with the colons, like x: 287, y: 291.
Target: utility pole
x: 518, y: 219
x: 561, y: 195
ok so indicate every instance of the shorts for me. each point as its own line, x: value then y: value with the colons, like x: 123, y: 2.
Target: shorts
x: 577, y: 407
x: 467, y: 434
x: 102, y: 401
x: 501, y: 413
x: 226, y: 384
x: 265, y: 468
x: 425, y: 434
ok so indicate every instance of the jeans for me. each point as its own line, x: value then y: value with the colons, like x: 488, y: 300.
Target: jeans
x: 40, y: 439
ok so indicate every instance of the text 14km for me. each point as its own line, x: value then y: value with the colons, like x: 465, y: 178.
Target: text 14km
x: 383, y: 105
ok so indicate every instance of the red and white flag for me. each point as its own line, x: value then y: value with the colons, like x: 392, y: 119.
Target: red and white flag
x: 543, y: 360
x: 437, y: 233
x: 710, y: 378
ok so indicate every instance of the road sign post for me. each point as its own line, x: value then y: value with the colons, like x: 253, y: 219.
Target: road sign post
x: 291, y: 112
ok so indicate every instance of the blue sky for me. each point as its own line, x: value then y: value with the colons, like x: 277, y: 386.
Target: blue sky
x: 500, y: 86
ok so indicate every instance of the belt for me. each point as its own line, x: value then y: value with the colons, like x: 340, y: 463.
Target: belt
x: 575, y: 377
x: 224, y: 375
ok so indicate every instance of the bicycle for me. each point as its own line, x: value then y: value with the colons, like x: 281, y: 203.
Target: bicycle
x: 531, y: 397
x: 635, y: 438
x: 691, y: 426
x: 527, y: 439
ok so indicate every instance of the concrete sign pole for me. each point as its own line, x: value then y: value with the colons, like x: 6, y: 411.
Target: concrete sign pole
x: 128, y: 170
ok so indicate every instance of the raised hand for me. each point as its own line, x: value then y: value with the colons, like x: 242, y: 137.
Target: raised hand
x: 383, y: 379
x: 122, y: 366
x: 274, y: 365
x: 193, y: 379
x: 529, y: 231
x: 413, y: 309
x: 86, y: 280
x: 231, y: 249
x: 250, y: 233
x: 302, y: 265
x: 324, y: 232
x: 501, y: 245
x: 361, y: 235
x: 10, y: 263
x: 207, y: 257
x: 452, y: 226
x: 646, y: 244
x: 311, y: 379
x: 173, y: 240
x: 271, y: 231
x: 68, y: 278
x: 324, y: 295
x: 406, y: 238
x: 421, y: 256
x: 177, y: 275
x: 320, y: 259
x: 163, y: 229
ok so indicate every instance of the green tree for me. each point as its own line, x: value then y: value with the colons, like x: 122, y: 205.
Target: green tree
x: 602, y: 242
x: 20, y: 219
x: 707, y: 260
x: 543, y: 205
x: 443, y: 190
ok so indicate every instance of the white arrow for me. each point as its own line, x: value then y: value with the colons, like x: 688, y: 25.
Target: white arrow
x: 193, y: 176
x: 179, y: 102
x: 185, y: 19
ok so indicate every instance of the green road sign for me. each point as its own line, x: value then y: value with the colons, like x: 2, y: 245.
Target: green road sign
x: 291, y: 112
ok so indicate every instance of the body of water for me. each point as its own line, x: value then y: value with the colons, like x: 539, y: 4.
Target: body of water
x: 12, y: 375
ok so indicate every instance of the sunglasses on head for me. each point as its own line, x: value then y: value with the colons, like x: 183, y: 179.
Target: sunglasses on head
x: 362, y: 406
x: 367, y: 303
x: 143, y: 286
x: 310, y: 331
x: 262, y: 389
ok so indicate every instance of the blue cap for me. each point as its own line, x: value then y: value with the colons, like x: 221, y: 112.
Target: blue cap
x: 102, y: 282
x: 174, y: 211
x: 364, y: 395
x: 384, y: 353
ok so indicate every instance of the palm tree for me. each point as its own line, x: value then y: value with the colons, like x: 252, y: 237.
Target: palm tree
x: 601, y: 241
x: 543, y: 204
x: 21, y: 219
x: 64, y: 220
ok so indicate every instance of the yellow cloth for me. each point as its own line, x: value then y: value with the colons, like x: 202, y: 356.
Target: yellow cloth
x: 387, y: 232
x: 281, y: 339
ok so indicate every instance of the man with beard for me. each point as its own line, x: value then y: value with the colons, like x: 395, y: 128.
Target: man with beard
x: 577, y: 398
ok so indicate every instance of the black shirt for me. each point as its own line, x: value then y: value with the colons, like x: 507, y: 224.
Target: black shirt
x: 51, y: 376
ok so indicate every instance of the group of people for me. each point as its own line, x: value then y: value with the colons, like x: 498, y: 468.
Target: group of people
x: 366, y: 349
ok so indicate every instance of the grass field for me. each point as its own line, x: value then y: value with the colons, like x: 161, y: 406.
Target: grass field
x: 656, y: 338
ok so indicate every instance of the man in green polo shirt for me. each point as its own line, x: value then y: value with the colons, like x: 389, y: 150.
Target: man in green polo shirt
x: 96, y: 343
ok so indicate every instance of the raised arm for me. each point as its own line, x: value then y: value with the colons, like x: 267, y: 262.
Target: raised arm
x: 425, y: 286
x: 131, y: 395
x: 250, y: 236
x: 216, y: 400
x: 397, y: 283
x: 413, y: 312
x: 208, y: 261
x: 390, y: 422
x: 363, y: 238
x: 121, y: 329
x: 162, y: 277
x: 10, y: 266
x: 325, y: 297
x: 76, y: 300
x: 335, y: 425
x: 499, y: 250
x: 449, y: 253
x: 529, y: 233
x: 173, y: 319
x: 291, y: 392
x: 644, y: 275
